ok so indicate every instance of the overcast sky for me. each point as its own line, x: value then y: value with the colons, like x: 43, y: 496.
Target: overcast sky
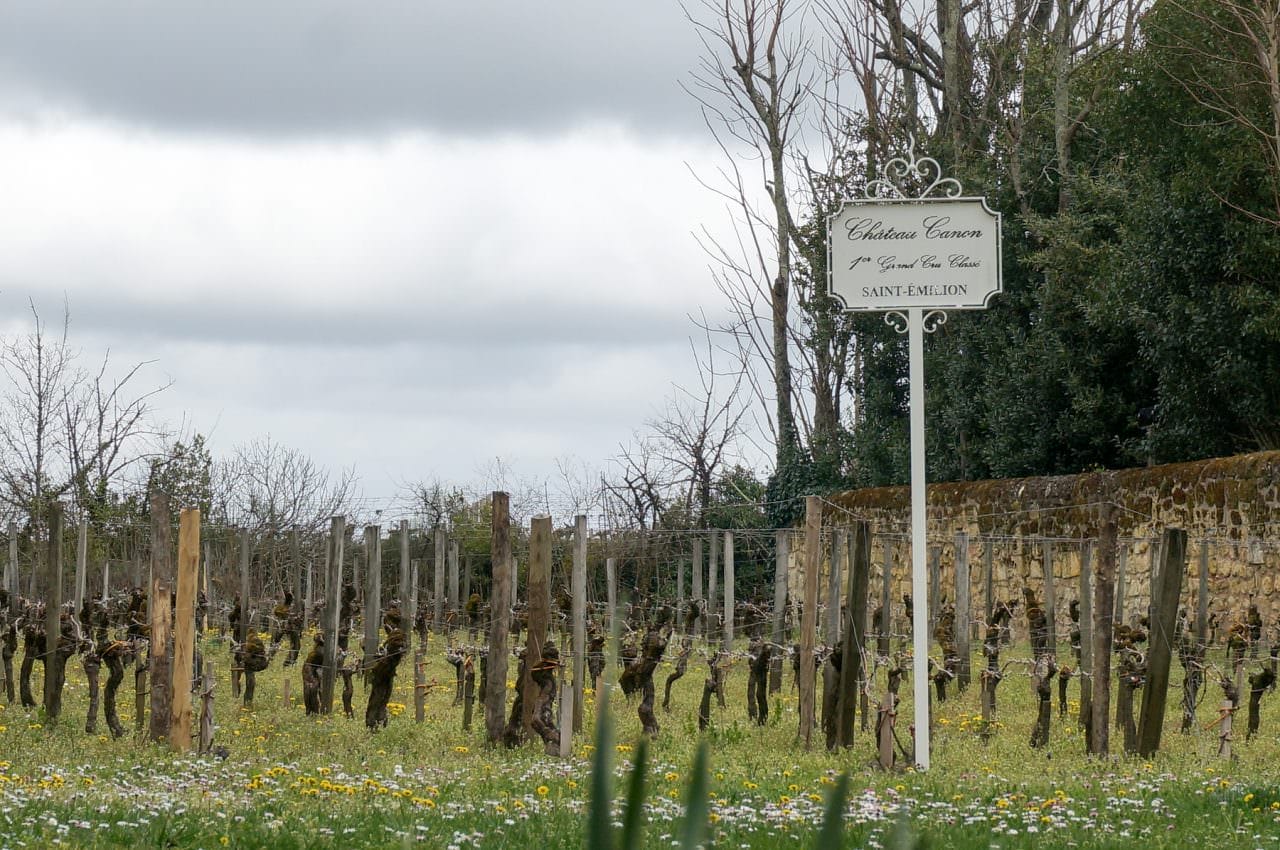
x: 409, y: 237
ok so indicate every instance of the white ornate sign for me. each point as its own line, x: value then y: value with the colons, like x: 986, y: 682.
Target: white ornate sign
x: 894, y: 254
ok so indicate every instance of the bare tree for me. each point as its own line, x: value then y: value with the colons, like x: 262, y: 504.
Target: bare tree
x: 1231, y: 66
x: 63, y: 430
x: 754, y: 86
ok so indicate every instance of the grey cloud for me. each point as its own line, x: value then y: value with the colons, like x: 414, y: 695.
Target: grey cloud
x: 331, y: 66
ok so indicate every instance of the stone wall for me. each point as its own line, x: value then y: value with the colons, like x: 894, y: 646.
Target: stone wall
x: 1229, y: 507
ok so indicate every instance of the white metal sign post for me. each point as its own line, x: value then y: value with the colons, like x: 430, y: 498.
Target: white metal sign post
x: 914, y: 247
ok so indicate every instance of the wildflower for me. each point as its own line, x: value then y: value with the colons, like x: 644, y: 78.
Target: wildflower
x: 542, y: 790
x: 462, y: 751
x: 224, y: 841
x: 671, y: 776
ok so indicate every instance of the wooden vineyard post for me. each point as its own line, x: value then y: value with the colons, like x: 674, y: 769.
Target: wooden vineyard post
x: 935, y: 586
x: 54, y: 660
x: 419, y: 660
x: 567, y: 705
x: 372, y: 593
x: 696, y: 586
x: 1122, y: 567
x: 853, y: 640
x: 885, y: 625
x: 1165, y: 593
x: 295, y: 576
x: 728, y: 591
x: 963, y: 611
x: 162, y: 684
x: 454, y: 603
x: 713, y: 570
x: 11, y: 568
x: 809, y: 616
x: 331, y: 614
x: 831, y: 623
x: 437, y: 581
x: 578, y: 587
x: 988, y: 582
x: 1104, y: 586
x: 1050, y: 599
x: 611, y: 580
x: 402, y: 592
x: 495, y: 686
x: 539, y: 601
x: 781, y: 558
x: 246, y: 550
x: 184, y: 632
x: 1086, y: 641
x: 82, y: 565
x: 206, y: 708
x: 679, y: 595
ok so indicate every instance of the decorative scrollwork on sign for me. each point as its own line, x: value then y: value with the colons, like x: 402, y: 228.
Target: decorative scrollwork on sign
x: 904, y: 177
x: 933, y: 320
x: 897, y: 320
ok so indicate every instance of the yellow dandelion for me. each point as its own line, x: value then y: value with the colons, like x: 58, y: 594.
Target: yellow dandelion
x: 543, y: 790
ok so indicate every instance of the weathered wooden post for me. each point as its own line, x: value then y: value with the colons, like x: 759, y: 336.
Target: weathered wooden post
x: 696, y: 589
x: 611, y: 590
x: 419, y: 658
x: 246, y: 550
x: 935, y: 586
x: 809, y: 616
x: 963, y: 610
x: 54, y: 661
x: 1165, y: 592
x: 679, y: 624
x: 184, y: 632
x: 539, y: 601
x: 886, y: 600
x: 1086, y: 640
x: 332, y: 609
x: 82, y: 565
x: 713, y: 567
x: 728, y: 591
x: 206, y: 708
x: 454, y: 603
x: 854, y: 638
x: 402, y: 591
x: 372, y: 594
x: 831, y: 623
x: 295, y: 571
x: 162, y: 685
x: 11, y: 568
x: 495, y: 686
x: 988, y: 582
x: 781, y: 558
x: 437, y: 581
x: 1050, y: 598
x: 578, y: 587
x: 1122, y: 567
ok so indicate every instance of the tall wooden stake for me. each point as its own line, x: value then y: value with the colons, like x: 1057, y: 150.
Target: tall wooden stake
x: 54, y: 661
x: 832, y: 621
x: 713, y: 567
x: 697, y: 582
x: 454, y: 604
x: 1050, y: 597
x: 578, y: 586
x: 332, y: 610
x: 539, y: 603
x: 437, y: 581
x: 245, y: 552
x: 1104, y: 585
x: 781, y: 558
x: 495, y: 686
x: 11, y: 568
x: 1164, y: 618
x: 885, y: 626
x: 402, y: 593
x: 611, y: 589
x: 853, y: 640
x: 728, y: 591
x: 809, y: 615
x: 162, y: 686
x: 419, y: 662
x: 184, y: 632
x: 1086, y: 640
x: 372, y: 592
x: 82, y: 563
x: 963, y: 610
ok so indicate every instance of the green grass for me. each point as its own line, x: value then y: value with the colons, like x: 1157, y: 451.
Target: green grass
x: 292, y: 782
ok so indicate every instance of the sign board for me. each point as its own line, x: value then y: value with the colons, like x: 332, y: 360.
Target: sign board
x: 897, y: 254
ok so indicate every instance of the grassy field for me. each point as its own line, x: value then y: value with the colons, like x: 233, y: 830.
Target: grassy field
x: 291, y: 782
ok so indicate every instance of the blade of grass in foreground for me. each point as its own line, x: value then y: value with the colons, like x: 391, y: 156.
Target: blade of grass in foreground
x: 633, y: 820
x: 694, y: 831
x: 831, y: 836
x: 599, y: 828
